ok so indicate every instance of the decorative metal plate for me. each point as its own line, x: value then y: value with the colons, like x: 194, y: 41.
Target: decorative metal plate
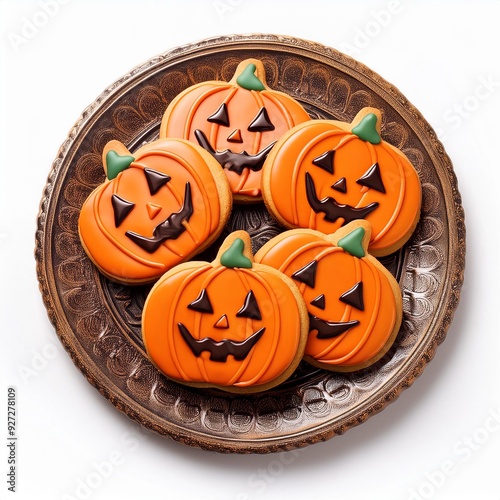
x: 98, y: 322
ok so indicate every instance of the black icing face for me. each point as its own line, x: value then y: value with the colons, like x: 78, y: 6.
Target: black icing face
x: 122, y: 207
x: 220, y: 350
x: 329, y: 205
x: 327, y: 329
x: 229, y: 159
x: 169, y: 228
x: 260, y: 123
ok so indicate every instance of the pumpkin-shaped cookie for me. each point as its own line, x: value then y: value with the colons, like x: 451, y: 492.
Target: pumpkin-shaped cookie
x: 324, y: 174
x: 157, y: 207
x: 237, y: 122
x: 354, y: 303
x: 231, y: 324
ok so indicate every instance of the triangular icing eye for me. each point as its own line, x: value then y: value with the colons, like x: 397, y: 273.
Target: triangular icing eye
x: 221, y: 116
x: 261, y: 122
x: 354, y: 296
x: 319, y: 301
x: 372, y: 179
x: 250, y: 308
x: 155, y: 180
x: 121, y: 208
x: 307, y: 274
x: 325, y: 161
x: 201, y: 303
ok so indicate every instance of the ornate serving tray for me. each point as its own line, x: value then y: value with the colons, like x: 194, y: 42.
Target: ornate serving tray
x: 98, y: 321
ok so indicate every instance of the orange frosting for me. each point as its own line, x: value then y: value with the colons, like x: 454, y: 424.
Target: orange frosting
x: 291, y: 161
x: 110, y: 246
x: 332, y: 299
x: 191, y: 110
x: 225, y: 305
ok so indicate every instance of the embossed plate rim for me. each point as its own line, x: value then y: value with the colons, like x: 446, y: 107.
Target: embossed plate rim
x: 377, y: 401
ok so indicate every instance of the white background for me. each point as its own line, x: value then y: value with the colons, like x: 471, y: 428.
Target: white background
x: 440, y: 440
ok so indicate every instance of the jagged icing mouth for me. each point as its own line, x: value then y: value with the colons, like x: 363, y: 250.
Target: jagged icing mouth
x: 332, y: 209
x: 236, y: 162
x: 329, y: 329
x: 220, y: 350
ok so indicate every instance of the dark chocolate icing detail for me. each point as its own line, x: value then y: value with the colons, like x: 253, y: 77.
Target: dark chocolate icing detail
x: 155, y: 180
x: 250, y: 308
x: 170, y: 229
x: 235, y: 136
x: 332, y: 209
x: 325, y: 161
x: 221, y: 116
x: 354, y: 297
x: 340, y: 185
x: 220, y: 350
x: 261, y: 123
x: 329, y: 329
x: 234, y: 161
x: 319, y: 301
x: 372, y: 179
x: 121, y: 208
x: 201, y: 303
x: 307, y: 274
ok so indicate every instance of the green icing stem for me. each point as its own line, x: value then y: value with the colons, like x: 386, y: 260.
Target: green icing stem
x: 366, y: 129
x: 352, y: 242
x: 248, y: 80
x: 233, y: 256
x: 116, y: 163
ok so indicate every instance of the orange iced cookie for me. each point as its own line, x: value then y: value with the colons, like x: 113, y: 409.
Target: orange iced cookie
x: 157, y: 207
x: 237, y: 122
x: 231, y: 324
x: 324, y: 174
x: 354, y: 303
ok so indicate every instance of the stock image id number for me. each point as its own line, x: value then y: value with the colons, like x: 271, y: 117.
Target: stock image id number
x: 11, y: 439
